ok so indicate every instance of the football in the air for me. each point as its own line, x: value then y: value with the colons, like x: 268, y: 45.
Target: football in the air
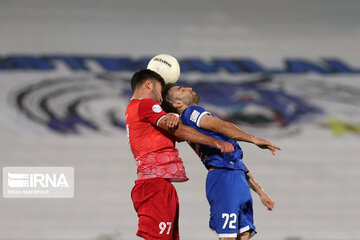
x: 167, y: 66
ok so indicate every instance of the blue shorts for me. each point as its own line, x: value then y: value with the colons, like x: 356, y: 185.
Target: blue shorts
x: 230, y: 200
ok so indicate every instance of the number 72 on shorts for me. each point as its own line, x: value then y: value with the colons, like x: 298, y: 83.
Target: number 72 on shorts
x: 229, y: 219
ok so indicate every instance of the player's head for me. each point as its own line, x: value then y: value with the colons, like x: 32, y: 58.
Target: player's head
x: 148, y: 83
x: 141, y: 76
x: 177, y: 98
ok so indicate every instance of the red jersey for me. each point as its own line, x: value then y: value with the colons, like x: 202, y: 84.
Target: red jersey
x: 152, y: 147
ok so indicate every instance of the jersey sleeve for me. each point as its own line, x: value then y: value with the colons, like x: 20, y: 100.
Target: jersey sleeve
x: 246, y: 170
x: 150, y: 110
x: 193, y: 115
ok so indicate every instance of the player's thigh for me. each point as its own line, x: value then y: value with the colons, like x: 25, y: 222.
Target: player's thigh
x: 246, y: 218
x: 224, y: 205
x: 231, y: 204
x: 157, y: 206
x: 226, y: 238
x: 244, y: 236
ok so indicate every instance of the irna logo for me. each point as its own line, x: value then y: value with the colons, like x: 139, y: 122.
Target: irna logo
x: 37, y: 180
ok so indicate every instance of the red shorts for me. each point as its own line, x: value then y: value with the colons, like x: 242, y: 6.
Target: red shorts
x: 157, y: 205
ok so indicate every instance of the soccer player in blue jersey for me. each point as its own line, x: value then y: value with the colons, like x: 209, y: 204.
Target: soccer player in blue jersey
x: 228, y: 181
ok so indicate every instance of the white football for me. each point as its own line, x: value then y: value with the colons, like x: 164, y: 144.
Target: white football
x: 166, y: 66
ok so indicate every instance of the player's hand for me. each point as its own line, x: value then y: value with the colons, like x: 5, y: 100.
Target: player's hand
x: 265, y: 144
x: 225, y: 147
x: 171, y: 120
x: 267, y: 201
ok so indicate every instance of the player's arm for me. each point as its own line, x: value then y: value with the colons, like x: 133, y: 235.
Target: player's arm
x: 185, y: 133
x: 150, y: 110
x: 171, y: 120
x: 264, y: 197
x: 232, y: 131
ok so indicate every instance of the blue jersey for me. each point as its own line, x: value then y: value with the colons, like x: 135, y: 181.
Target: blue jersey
x: 209, y: 155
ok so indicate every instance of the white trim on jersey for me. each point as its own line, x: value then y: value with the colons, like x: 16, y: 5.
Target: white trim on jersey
x: 227, y: 235
x: 241, y: 230
x: 200, y: 117
x: 244, y: 229
x: 157, y: 122
x: 247, y: 228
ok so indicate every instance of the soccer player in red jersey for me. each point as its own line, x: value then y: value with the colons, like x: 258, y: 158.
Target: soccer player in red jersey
x: 151, y: 134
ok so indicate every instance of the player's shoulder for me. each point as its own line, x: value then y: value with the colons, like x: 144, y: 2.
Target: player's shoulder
x: 150, y: 103
x: 147, y: 101
x: 192, y: 114
x: 190, y: 109
x: 142, y: 101
x: 150, y: 109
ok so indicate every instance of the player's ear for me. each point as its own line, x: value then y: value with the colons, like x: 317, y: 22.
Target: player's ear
x: 149, y: 83
x: 178, y: 104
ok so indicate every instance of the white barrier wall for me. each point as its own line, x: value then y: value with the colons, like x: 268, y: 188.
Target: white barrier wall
x: 64, y: 70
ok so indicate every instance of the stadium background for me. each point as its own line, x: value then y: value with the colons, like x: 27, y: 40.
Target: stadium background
x: 63, y: 90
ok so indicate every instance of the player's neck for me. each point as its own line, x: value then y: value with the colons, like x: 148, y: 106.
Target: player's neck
x: 182, y: 108
x: 142, y: 93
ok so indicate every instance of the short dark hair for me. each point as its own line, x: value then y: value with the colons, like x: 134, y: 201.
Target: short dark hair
x: 167, y: 101
x: 142, y: 75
